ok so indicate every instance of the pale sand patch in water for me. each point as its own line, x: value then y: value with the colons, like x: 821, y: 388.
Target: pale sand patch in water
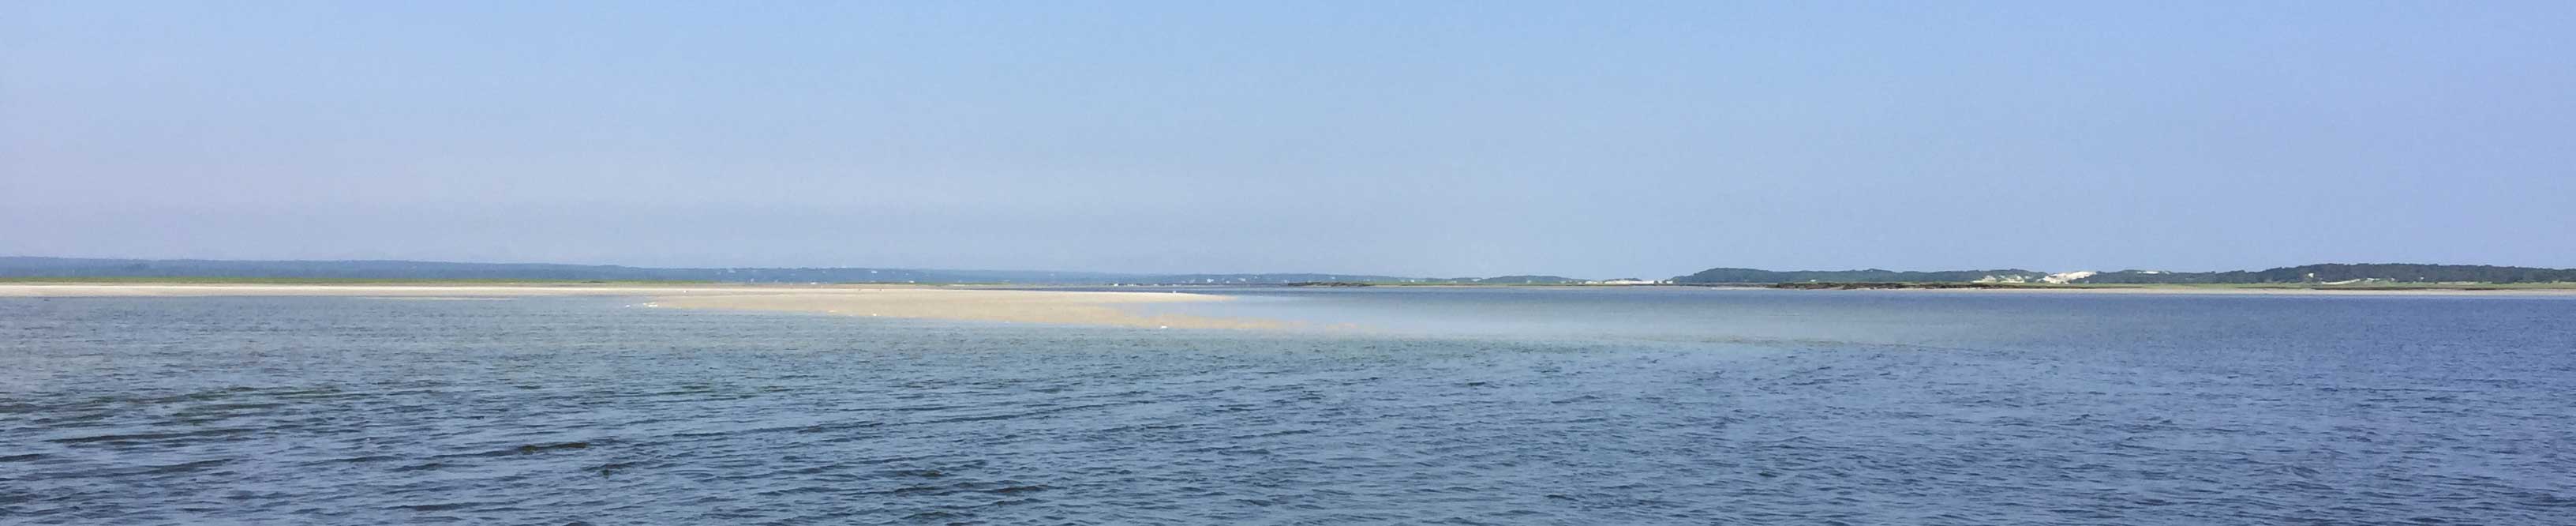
x: 1018, y: 306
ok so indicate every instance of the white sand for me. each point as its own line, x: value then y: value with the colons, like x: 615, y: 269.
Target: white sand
x: 1022, y: 306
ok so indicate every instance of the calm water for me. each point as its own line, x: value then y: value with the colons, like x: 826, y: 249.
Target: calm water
x: 1629, y: 406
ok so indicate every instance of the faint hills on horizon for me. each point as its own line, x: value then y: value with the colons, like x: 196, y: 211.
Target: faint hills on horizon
x: 2331, y: 274
x: 2326, y: 274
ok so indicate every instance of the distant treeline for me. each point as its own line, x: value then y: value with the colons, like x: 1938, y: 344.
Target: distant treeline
x: 1860, y: 285
x: 2323, y: 273
x: 46, y: 267
x: 2340, y: 272
x: 1747, y: 275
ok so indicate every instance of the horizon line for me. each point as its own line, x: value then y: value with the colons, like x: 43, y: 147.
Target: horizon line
x: 1159, y: 274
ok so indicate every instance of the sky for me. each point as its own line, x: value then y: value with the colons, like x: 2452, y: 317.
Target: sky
x: 1408, y: 138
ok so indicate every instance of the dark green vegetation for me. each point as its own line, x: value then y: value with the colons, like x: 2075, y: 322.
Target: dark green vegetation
x: 1519, y: 280
x: 2323, y: 274
x: 1858, y: 285
x: 1288, y: 279
x: 1746, y: 275
x: 2338, y: 272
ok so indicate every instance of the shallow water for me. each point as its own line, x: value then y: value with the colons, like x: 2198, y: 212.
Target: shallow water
x: 1472, y: 406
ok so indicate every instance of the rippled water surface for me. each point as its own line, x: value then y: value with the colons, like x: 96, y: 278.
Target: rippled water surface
x: 1473, y: 406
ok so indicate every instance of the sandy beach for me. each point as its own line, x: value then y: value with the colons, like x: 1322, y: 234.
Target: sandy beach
x: 1015, y: 306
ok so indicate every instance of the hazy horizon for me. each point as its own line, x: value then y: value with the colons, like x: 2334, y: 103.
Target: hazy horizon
x: 1286, y: 272
x: 1428, y: 140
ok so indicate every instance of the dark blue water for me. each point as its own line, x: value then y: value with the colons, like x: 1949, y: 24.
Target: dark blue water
x: 1477, y: 406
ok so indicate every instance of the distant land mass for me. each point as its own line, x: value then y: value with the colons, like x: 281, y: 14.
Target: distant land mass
x: 2330, y: 274
x: 2322, y: 274
x: 51, y: 267
x: 1747, y: 275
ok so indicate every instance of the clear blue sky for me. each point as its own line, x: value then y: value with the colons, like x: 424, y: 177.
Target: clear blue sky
x: 1415, y: 138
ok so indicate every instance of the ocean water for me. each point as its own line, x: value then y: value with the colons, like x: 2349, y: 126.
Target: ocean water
x: 1413, y: 406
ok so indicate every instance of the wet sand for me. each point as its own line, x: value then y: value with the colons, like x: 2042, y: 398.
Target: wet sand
x: 1015, y: 306
x: 1018, y: 306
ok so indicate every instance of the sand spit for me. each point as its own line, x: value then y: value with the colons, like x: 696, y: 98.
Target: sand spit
x: 1018, y: 306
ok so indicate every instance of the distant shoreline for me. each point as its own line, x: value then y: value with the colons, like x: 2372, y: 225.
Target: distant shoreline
x: 177, y: 287
x: 2548, y: 289
x: 2123, y: 288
